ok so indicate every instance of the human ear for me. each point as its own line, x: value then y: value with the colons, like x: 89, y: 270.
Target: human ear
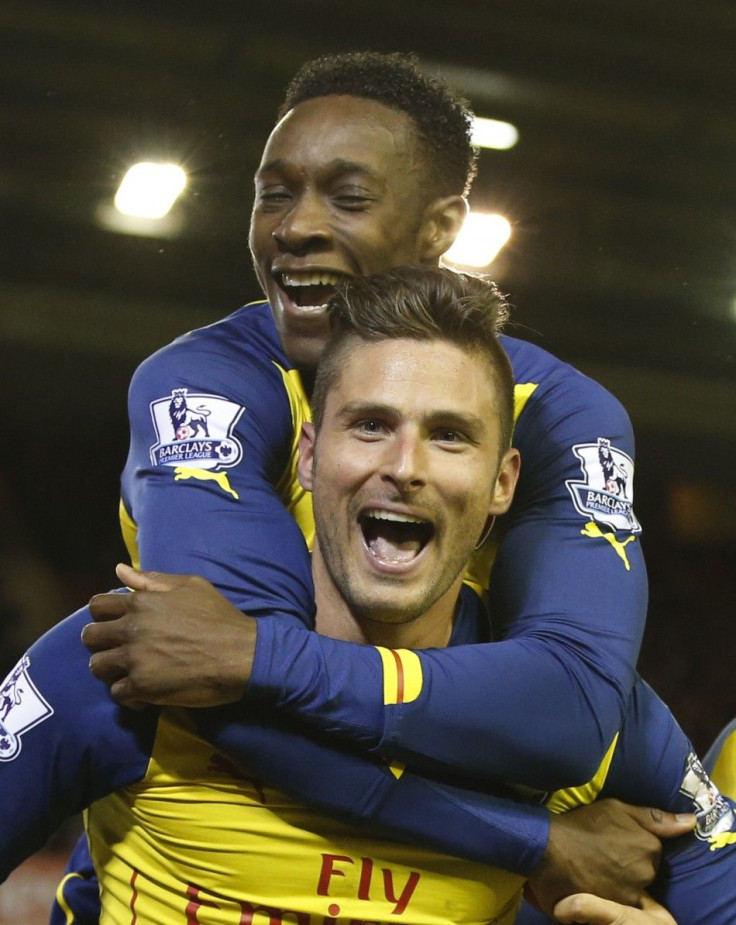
x: 306, y: 456
x: 443, y: 218
x: 506, y: 479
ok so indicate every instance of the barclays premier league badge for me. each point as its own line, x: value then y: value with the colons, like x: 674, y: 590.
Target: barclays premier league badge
x: 21, y: 708
x: 195, y: 430
x: 605, y: 493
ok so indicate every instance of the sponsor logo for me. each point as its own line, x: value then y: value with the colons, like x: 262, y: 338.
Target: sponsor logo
x: 353, y: 878
x: 715, y: 818
x: 194, y: 436
x: 359, y: 874
x: 195, y: 430
x: 606, y: 491
x: 21, y: 708
x: 593, y: 530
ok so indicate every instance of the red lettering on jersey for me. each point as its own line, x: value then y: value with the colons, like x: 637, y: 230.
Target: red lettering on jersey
x: 406, y: 894
x: 328, y: 871
x: 275, y: 916
x: 366, y: 872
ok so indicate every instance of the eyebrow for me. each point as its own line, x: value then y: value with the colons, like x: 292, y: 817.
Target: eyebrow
x: 338, y: 165
x: 446, y: 417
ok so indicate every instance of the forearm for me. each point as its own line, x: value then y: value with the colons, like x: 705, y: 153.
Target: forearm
x: 491, y: 829
x: 65, y: 742
x: 502, y: 711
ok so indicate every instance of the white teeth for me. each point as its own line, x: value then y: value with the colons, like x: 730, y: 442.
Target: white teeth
x: 390, y: 515
x: 310, y: 279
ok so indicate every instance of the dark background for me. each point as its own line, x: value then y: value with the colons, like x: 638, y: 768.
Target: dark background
x: 621, y: 193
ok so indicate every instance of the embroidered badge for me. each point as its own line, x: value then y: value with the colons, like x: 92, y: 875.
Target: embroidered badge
x: 606, y: 491
x: 21, y: 708
x: 196, y: 430
x: 716, y: 822
x: 195, y: 436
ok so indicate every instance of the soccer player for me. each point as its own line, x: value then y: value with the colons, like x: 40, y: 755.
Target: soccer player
x: 408, y: 459
x: 367, y: 168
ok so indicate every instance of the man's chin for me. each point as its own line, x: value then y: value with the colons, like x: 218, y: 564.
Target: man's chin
x: 388, y: 609
x: 303, y: 350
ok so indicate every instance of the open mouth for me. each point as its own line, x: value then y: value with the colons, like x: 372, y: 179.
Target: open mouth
x: 394, y: 538
x: 309, y: 290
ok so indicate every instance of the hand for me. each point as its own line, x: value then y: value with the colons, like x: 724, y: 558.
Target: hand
x: 175, y: 641
x: 582, y: 907
x: 609, y: 849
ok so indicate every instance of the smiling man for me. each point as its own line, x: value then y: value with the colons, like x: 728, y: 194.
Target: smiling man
x: 414, y: 463
x: 409, y: 459
x: 348, y: 186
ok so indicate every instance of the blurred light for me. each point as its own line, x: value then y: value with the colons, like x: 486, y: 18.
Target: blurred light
x: 481, y: 238
x: 108, y: 217
x: 150, y: 190
x: 491, y: 133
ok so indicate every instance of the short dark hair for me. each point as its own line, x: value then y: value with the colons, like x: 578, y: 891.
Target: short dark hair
x: 443, y: 121
x: 419, y: 303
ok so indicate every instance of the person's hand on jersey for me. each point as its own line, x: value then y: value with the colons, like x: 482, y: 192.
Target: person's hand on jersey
x: 608, y: 848
x: 582, y: 907
x: 175, y: 641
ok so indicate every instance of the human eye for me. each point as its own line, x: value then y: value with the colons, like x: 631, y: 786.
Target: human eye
x: 369, y: 428
x: 352, y: 198
x: 450, y: 438
x: 272, y: 197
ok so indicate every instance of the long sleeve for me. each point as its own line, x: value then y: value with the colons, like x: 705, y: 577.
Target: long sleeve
x: 64, y: 741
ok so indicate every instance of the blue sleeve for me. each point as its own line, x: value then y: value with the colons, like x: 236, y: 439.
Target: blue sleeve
x: 569, y: 585
x: 77, y: 899
x: 491, y: 828
x: 63, y: 742
x: 202, y: 495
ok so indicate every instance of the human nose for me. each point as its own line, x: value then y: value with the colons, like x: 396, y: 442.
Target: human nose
x: 405, y: 462
x: 303, y: 226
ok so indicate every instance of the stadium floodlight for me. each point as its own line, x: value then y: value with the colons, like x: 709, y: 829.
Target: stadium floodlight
x: 493, y: 133
x: 481, y: 238
x: 149, y: 190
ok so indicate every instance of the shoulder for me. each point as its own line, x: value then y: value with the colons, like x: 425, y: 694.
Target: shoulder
x: 247, y: 336
x: 556, y: 401
x: 238, y: 361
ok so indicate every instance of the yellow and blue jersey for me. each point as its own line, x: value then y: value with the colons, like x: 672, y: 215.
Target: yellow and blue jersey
x: 183, y: 826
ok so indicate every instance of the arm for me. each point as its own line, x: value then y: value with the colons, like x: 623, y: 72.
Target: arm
x: 64, y: 741
x: 584, y: 851
x: 201, y: 496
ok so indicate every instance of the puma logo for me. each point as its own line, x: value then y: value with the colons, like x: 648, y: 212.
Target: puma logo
x: 592, y: 530
x: 206, y: 475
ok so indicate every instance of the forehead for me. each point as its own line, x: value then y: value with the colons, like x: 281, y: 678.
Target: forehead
x: 415, y: 377
x: 331, y: 129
